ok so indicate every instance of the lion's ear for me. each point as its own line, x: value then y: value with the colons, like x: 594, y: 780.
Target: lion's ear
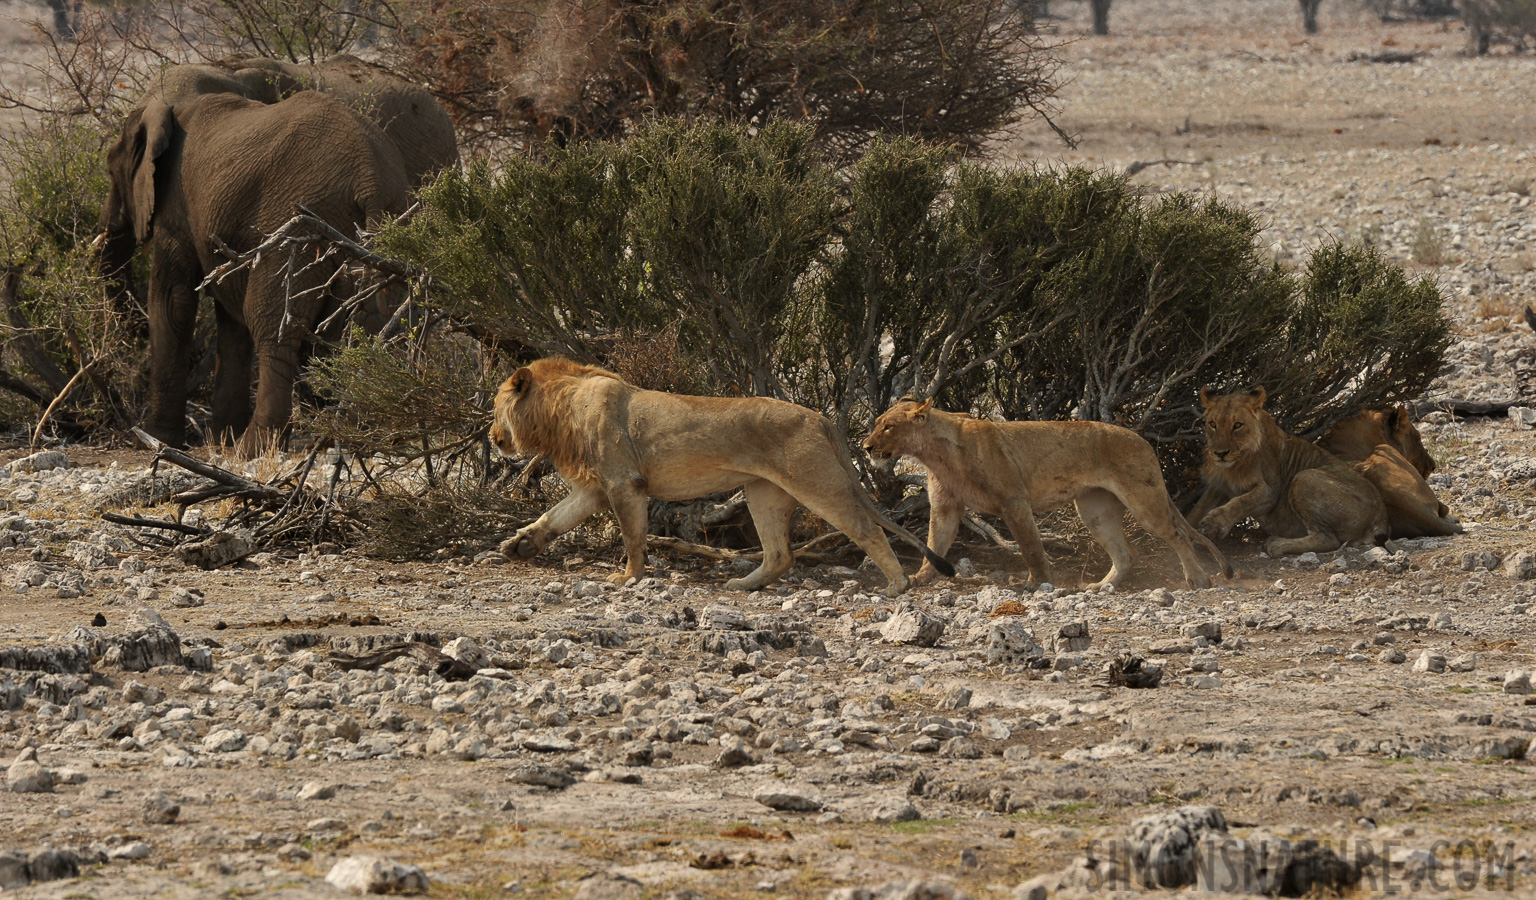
x: 521, y: 380
x: 921, y: 413
x: 1257, y: 395
x: 1207, y: 396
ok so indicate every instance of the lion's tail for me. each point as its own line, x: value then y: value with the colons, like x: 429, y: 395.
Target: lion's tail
x: 839, y: 445
x: 1189, y: 531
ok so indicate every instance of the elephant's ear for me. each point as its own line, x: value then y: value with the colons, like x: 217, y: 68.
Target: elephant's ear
x: 155, y: 128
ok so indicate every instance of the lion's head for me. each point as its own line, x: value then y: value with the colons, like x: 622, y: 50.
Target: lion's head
x: 1402, y: 434
x: 533, y: 414
x: 899, y: 430
x: 1234, y: 427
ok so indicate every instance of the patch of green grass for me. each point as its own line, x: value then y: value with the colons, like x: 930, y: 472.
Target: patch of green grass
x: 1054, y: 812
x: 921, y: 826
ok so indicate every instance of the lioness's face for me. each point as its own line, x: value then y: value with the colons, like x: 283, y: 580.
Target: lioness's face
x: 1232, y: 426
x: 897, y: 430
x: 1408, y: 440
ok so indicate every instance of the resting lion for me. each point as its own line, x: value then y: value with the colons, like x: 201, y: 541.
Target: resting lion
x: 618, y: 445
x: 1383, y: 445
x: 1015, y: 469
x: 1303, y: 496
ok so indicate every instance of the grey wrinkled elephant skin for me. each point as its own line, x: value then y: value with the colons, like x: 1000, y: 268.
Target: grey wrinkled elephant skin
x: 221, y: 168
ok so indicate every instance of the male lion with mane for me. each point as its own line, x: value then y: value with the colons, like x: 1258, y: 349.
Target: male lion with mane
x: 1306, y: 498
x: 618, y: 445
x: 1015, y: 469
x: 1385, y: 447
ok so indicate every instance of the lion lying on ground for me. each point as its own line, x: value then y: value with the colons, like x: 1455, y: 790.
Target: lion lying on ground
x: 1015, y: 469
x: 1303, y: 496
x: 1383, y: 445
x: 618, y: 445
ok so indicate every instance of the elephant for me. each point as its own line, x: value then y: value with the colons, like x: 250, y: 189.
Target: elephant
x: 219, y: 170
x: 408, y: 114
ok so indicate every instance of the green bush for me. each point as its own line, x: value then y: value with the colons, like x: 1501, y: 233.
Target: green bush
x: 1024, y: 292
x: 55, y: 317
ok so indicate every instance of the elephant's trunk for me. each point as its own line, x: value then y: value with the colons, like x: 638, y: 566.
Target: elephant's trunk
x: 115, y: 248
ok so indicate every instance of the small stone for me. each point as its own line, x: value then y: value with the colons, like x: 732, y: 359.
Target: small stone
x: 41, y: 461
x: 316, y: 790
x: 542, y: 776
x: 1072, y: 637
x: 49, y: 864
x: 225, y: 740
x: 1009, y: 642
x: 787, y: 801
x: 895, y: 811
x: 130, y: 850
x: 13, y: 871
x: 1473, y: 560
x: 734, y: 753
x: 181, y: 598
x: 723, y: 617
x: 1521, y: 565
x: 376, y: 875
x: 1429, y: 662
x: 1391, y: 656
x: 608, y: 886
x: 968, y: 858
x: 1517, y: 681
x: 910, y: 625
x: 27, y: 776
x: 957, y: 698
x: 960, y: 748
x: 1440, y: 621
x: 1463, y: 662
x: 160, y: 809
x: 1210, y: 630
x: 466, y: 651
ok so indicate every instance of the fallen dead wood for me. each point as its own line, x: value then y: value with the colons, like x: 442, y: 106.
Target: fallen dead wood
x: 1141, y: 164
x: 430, y: 659
x: 800, y: 551
x: 147, y: 522
x: 285, y: 509
x: 1463, y: 409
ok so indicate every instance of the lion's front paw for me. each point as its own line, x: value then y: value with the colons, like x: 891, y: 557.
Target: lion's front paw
x: 925, y: 575
x: 621, y: 579
x: 1217, y: 524
x: 520, y: 546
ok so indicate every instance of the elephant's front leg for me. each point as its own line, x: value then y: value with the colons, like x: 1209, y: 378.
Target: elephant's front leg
x: 172, y: 318
x: 231, y: 377
x: 530, y: 540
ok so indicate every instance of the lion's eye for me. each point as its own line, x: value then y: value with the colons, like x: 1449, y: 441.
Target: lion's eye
x: 1237, y: 426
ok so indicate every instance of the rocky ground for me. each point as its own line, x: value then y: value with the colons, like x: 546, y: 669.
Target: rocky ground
x: 171, y: 731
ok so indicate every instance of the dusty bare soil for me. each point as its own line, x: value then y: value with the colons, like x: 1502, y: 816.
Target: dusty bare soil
x: 614, y: 740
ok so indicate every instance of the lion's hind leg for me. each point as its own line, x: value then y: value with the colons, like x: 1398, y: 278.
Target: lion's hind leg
x: 1104, y: 515
x: 843, y: 511
x: 771, y: 507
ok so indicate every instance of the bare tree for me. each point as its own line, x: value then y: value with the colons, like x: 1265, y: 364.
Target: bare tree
x: 1309, y: 14
x: 1100, y: 16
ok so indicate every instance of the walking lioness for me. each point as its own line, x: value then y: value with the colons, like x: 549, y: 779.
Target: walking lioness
x: 1015, y: 469
x: 618, y: 445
